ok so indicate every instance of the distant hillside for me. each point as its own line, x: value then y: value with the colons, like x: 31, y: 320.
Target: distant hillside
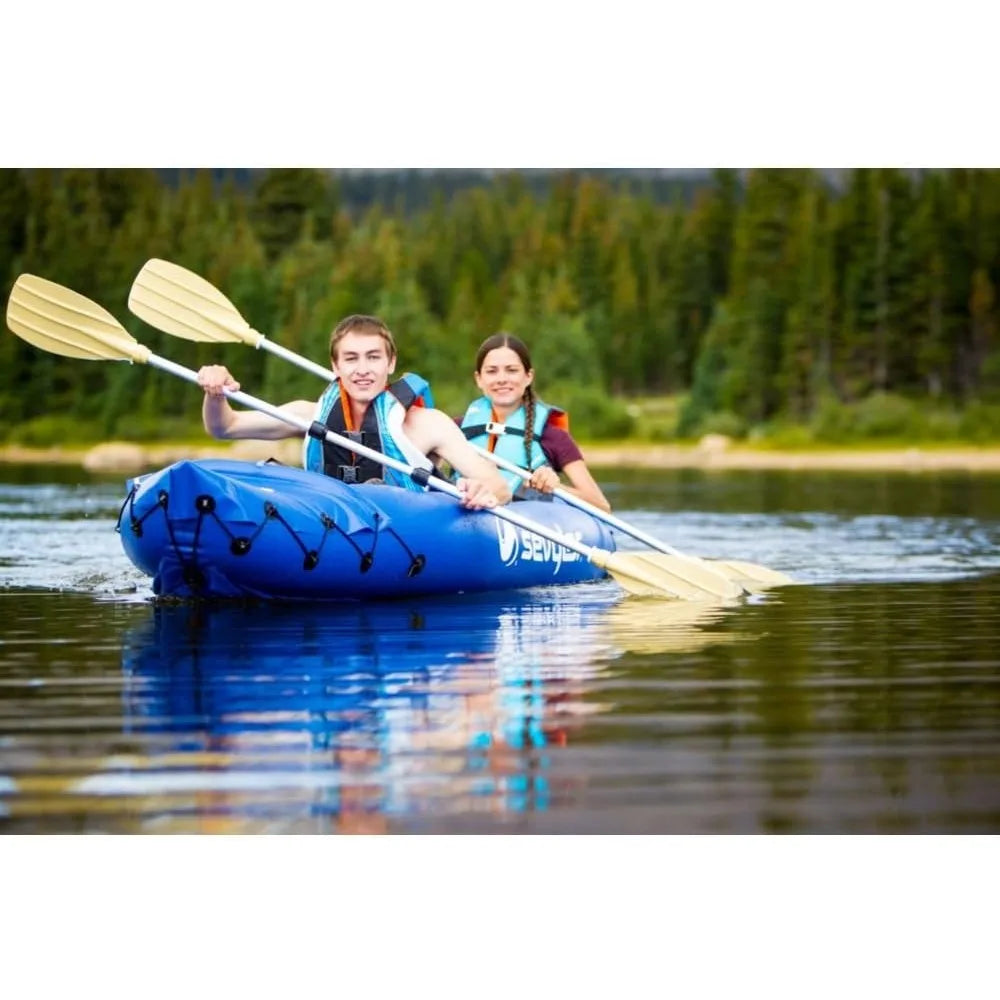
x: 413, y: 189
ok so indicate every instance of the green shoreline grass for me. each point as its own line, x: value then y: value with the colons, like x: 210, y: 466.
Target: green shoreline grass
x: 711, y: 452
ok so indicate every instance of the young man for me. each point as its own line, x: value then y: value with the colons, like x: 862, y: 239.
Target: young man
x: 361, y: 404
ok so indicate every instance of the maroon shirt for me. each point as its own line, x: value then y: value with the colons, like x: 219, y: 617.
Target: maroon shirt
x: 560, y: 449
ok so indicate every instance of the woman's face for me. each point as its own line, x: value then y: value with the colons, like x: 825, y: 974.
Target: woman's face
x: 502, y: 378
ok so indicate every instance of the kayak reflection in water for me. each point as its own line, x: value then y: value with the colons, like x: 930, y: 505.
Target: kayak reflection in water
x: 365, y: 715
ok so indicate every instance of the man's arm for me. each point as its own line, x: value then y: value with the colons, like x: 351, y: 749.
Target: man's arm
x: 437, y: 435
x: 222, y: 421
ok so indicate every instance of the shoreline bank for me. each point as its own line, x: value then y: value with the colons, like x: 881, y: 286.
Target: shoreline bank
x: 913, y: 459
x: 711, y: 453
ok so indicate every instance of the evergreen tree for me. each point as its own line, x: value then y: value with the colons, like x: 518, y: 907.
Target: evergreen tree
x: 282, y: 200
x: 806, y: 347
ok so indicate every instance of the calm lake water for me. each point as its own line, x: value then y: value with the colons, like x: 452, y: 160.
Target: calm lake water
x: 866, y: 700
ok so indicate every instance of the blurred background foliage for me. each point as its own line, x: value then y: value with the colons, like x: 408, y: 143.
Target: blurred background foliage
x: 786, y: 306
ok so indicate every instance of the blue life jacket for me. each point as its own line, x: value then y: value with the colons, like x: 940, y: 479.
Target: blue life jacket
x: 478, y: 426
x: 381, y: 430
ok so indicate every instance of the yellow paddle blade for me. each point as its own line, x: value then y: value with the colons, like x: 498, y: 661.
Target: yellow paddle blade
x: 649, y: 579
x: 64, y: 322
x: 695, y: 577
x: 749, y: 576
x: 179, y: 302
x: 760, y: 575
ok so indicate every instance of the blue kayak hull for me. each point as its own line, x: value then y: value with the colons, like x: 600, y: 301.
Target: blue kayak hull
x: 222, y: 528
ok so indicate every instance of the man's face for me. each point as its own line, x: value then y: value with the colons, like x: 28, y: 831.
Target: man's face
x: 363, y: 365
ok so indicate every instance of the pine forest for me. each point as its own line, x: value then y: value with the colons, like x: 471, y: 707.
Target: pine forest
x: 797, y: 306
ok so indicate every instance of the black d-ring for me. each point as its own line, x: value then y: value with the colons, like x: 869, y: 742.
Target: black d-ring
x: 240, y: 546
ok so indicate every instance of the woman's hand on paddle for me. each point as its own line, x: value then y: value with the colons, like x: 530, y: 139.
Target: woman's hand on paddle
x: 216, y: 379
x: 476, y: 495
x: 545, y: 479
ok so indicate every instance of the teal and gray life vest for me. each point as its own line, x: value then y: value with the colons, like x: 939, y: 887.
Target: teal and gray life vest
x: 381, y: 430
x: 479, y: 427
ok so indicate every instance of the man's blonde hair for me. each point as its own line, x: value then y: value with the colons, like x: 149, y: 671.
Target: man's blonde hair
x: 361, y: 324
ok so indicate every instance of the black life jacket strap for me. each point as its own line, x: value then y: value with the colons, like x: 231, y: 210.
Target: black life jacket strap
x: 338, y: 460
x: 403, y: 392
x: 491, y: 428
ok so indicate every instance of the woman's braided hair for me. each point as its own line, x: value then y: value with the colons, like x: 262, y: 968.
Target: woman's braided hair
x: 521, y: 350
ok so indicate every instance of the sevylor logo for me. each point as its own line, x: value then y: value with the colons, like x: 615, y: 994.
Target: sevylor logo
x: 519, y: 545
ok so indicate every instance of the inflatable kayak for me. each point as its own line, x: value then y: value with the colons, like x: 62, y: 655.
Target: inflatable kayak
x: 223, y: 528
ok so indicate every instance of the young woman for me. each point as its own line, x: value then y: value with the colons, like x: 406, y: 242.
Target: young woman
x: 513, y: 423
